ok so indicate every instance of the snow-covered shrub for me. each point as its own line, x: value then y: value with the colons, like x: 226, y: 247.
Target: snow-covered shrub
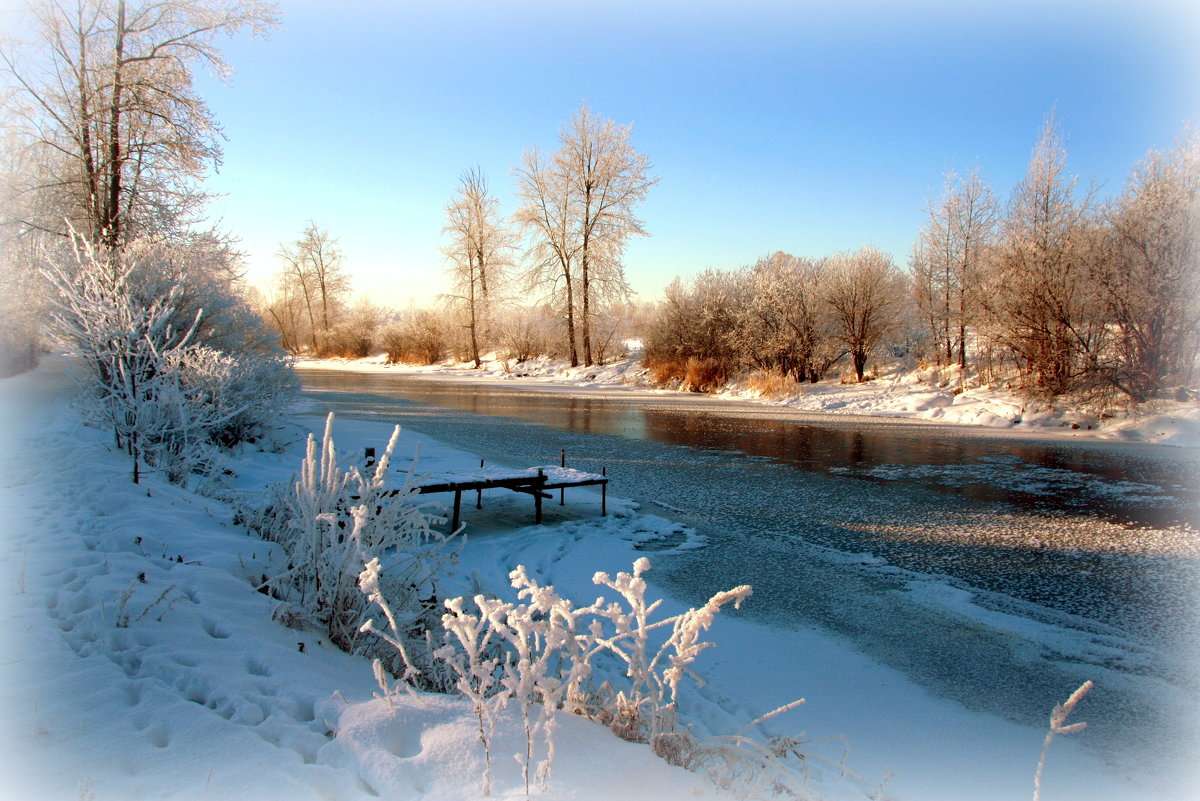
x: 241, y: 391
x: 332, y: 522
x: 548, y: 660
x: 478, y: 662
x: 168, y: 397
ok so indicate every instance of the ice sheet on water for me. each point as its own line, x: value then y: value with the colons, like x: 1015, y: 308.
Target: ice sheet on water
x: 1054, y: 635
x: 1016, y: 475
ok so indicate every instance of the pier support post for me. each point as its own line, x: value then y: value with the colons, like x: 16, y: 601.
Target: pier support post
x: 604, y: 494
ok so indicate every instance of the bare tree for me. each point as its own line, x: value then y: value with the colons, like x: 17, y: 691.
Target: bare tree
x: 1041, y: 294
x: 546, y: 215
x: 480, y: 252
x: 106, y: 104
x: 609, y: 178
x: 863, y: 290
x: 1148, y: 280
x: 577, y: 208
x: 314, y: 272
x: 947, y: 260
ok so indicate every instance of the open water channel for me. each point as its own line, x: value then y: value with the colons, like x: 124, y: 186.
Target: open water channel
x: 996, y: 570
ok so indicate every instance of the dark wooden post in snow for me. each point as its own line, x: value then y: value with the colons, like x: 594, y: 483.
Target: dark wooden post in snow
x: 537, y: 499
x: 604, y: 493
x: 562, y: 491
x: 479, y: 492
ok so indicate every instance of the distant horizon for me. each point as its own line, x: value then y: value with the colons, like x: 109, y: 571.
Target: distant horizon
x: 772, y: 125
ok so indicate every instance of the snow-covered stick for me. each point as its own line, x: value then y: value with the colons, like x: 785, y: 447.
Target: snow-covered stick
x: 1058, y: 725
x: 649, y: 708
x: 476, y: 669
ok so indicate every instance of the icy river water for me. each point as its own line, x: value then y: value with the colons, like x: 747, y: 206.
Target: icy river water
x: 994, y: 570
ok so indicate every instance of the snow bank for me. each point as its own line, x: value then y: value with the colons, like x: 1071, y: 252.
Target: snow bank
x: 141, y: 663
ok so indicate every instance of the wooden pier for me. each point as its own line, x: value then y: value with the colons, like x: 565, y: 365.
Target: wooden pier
x: 535, y: 481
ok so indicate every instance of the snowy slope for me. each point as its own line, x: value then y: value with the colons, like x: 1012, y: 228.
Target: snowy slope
x: 140, y: 663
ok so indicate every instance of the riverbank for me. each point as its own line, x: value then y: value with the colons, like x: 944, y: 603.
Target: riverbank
x: 914, y: 396
x: 140, y: 663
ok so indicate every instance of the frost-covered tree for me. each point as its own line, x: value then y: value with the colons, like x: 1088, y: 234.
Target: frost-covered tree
x: 105, y: 104
x: 1149, y: 278
x: 786, y: 326
x: 480, y: 253
x: 577, y: 208
x: 314, y: 273
x: 864, y: 291
x: 546, y: 216
x: 1040, y: 295
x: 609, y: 178
x: 948, y: 259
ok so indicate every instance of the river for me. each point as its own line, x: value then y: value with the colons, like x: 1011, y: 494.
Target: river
x: 999, y: 571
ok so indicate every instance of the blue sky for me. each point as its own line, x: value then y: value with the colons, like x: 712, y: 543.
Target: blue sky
x: 797, y: 126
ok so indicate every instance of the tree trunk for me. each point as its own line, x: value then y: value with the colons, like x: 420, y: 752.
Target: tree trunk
x: 112, y: 211
x: 571, y: 324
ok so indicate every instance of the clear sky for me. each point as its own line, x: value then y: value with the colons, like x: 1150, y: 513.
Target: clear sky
x: 799, y: 126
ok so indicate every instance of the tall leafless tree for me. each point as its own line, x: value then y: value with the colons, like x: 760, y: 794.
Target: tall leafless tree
x: 110, y: 115
x: 480, y: 252
x: 577, y: 208
x: 948, y: 258
x: 546, y: 215
x: 314, y: 272
x: 608, y: 178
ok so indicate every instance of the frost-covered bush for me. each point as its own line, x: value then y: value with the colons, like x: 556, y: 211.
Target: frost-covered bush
x: 169, y: 398
x: 332, y: 522
x: 242, y: 391
x: 419, y: 338
x: 548, y: 654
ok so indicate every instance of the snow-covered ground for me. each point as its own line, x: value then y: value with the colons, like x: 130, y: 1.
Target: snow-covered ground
x: 140, y: 663
x: 900, y: 393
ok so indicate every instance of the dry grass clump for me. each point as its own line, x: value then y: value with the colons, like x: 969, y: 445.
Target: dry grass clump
x: 705, y: 375
x: 771, y: 384
x: 664, y: 370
